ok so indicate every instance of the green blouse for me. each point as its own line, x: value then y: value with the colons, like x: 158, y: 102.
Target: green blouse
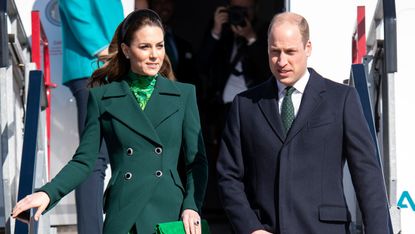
x: 142, y: 87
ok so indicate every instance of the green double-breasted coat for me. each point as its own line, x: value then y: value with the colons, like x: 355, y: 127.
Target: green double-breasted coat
x: 144, y: 148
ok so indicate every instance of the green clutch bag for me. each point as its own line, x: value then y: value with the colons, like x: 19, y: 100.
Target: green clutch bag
x: 177, y: 227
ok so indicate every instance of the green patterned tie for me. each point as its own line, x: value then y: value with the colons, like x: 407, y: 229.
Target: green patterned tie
x: 287, y: 109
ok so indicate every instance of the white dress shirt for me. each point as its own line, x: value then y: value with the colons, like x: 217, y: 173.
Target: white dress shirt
x: 236, y: 83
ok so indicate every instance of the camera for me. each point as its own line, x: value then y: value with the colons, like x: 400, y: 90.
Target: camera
x: 237, y: 15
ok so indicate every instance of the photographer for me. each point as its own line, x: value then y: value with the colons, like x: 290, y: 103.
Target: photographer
x: 238, y: 17
x: 233, y: 59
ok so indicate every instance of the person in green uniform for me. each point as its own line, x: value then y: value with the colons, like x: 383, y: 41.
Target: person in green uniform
x: 148, y: 121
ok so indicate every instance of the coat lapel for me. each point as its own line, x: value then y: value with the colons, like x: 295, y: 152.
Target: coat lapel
x: 311, y: 99
x: 120, y: 103
x: 269, y: 107
x: 163, y: 103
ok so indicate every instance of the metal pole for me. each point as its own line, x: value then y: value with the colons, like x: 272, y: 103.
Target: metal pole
x: 389, y: 146
x: 287, y: 5
x: 4, y: 51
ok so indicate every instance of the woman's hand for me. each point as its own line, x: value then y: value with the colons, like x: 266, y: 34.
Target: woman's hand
x: 191, y: 221
x: 39, y: 200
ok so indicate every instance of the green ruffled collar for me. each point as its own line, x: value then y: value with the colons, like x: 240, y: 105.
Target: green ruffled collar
x: 140, y: 81
x: 142, y: 87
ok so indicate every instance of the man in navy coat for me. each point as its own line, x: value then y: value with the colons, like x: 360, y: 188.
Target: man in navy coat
x: 284, y: 178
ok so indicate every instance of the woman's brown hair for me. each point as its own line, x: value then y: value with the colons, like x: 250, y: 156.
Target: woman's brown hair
x: 116, y: 65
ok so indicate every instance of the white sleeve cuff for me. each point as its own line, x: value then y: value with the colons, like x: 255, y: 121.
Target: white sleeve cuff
x: 215, y: 36
x: 251, y: 41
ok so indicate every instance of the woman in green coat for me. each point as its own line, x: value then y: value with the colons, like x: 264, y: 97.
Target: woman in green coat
x: 147, y: 122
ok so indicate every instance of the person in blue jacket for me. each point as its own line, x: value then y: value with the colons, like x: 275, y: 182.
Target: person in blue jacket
x: 87, y: 29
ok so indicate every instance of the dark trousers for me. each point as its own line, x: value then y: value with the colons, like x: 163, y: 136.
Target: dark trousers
x: 88, y: 195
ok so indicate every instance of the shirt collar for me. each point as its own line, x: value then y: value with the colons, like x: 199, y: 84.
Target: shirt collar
x: 299, y: 85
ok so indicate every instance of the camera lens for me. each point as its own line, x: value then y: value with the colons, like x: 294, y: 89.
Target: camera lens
x: 237, y: 15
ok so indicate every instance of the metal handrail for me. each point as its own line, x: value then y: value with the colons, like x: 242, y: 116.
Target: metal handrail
x: 38, y: 99
x: 40, y: 41
x: 359, y: 81
x: 13, y: 13
x: 30, y: 139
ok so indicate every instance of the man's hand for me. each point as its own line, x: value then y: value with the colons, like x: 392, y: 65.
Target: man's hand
x: 221, y: 17
x: 247, y: 32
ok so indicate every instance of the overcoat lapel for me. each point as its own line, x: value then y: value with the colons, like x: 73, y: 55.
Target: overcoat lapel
x: 164, y: 102
x: 311, y: 99
x: 121, y: 104
x: 269, y: 107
